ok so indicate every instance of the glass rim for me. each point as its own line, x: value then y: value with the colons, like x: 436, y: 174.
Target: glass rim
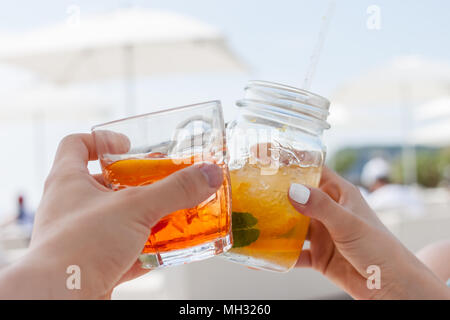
x: 320, y: 101
x: 170, y: 110
x: 306, y: 109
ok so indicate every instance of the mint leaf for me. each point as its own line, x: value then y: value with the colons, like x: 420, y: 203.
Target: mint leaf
x: 243, y: 232
x: 243, y: 220
x: 244, y: 237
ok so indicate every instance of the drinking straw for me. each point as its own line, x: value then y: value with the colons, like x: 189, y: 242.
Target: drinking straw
x: 319, y: 45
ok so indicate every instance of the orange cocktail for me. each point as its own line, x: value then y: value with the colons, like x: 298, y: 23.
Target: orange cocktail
x: 144, y: 149
x: 268, y: 232
x: 183, y: 228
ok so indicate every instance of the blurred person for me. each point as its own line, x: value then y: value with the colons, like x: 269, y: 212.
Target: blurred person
x: 21, y: 216
x: 18, y: 225
x: 383, y: 195
x: 21, y: 223
x: 77, y: 210
x: 24, y: 217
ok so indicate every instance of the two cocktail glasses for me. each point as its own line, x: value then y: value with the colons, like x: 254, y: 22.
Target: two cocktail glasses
x: 249, y: 219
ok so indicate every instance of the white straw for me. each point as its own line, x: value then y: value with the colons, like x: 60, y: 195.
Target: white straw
x: 319, y: 45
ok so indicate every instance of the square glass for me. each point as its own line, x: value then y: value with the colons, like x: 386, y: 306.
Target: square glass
x: 143, y: 149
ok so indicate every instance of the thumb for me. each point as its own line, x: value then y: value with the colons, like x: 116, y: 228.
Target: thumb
x: 313, y: 202
x: 181, y: 190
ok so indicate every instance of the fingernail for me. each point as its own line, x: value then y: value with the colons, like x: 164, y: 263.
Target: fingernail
x: 299, y: 193
x: 212, y: 173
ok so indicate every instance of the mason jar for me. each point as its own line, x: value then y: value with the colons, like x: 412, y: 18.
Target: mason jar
x: 275, y: 141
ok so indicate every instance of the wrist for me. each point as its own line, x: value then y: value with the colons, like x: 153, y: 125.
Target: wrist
x: 35, y: 277
x: 414, y: 281
x: 31, y: 279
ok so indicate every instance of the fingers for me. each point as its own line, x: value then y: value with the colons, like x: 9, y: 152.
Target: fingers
x: 74, y: 151
x: 99, y: 178
x: 315, y: 203
x: 181, y: 190
x: 329, y: 175
x: 346, y: 194
x: 110, y: 142
x: 305, y: 260
x: 333, y: 184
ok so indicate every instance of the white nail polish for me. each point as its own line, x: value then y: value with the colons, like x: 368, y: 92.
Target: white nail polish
x: 299, y: 193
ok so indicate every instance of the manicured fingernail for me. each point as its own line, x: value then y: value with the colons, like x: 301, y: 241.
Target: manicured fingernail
x: 212, y: 173
x: 299, y: 193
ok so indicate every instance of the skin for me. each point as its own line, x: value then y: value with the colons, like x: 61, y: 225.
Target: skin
x: 346, y: 237
x: 436, y: 256
x: 345, y: 234
x: 81, y: 222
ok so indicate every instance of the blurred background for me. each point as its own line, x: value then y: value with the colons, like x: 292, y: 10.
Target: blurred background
x: 385, y: 66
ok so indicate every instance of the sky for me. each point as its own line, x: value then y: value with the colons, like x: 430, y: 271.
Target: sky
x: 274, y: 38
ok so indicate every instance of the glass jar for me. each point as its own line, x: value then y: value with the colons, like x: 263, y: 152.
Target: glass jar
x: 275, y: 141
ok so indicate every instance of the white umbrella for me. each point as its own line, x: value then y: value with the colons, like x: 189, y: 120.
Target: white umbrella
x: 432, y: 123
x: 409, y: 79
x: 126, y: 43
x: 53, y: 103
x: 381, y: 101
x: 40, y: 105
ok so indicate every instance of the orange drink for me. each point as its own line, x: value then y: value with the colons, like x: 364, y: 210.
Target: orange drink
x: 267, y: 231
x: 144, y: 149
x: 180, y: 229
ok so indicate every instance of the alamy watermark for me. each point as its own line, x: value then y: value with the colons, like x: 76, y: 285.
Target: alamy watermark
x: 262, y: 147
x: 374, y: 280
x: 373, y: 21
x: 73, y: 281
x: 73, y: 15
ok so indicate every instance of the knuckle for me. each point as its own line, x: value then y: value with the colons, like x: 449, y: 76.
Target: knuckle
x: 320, y: 199
x: 335, y: 214
x: 350, y: 187
x: 69, y: 138
x: 354, y: 190
x: 332, y: 189
x: 55, y: 178
x: 349, y: 192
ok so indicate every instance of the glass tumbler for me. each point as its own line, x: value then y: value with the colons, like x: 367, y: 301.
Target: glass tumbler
x: 143, y: 149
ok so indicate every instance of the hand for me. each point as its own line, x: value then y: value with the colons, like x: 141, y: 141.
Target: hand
x: 81, y: 222
x: 436, y: 256
x: 346, y: 237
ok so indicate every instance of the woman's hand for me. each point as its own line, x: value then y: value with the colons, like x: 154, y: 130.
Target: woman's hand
x: 346, y: 238
x: 81, y: 222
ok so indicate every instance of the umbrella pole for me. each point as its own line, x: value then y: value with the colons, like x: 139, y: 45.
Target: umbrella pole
x: 130, y: 84
x: 408, y: 150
